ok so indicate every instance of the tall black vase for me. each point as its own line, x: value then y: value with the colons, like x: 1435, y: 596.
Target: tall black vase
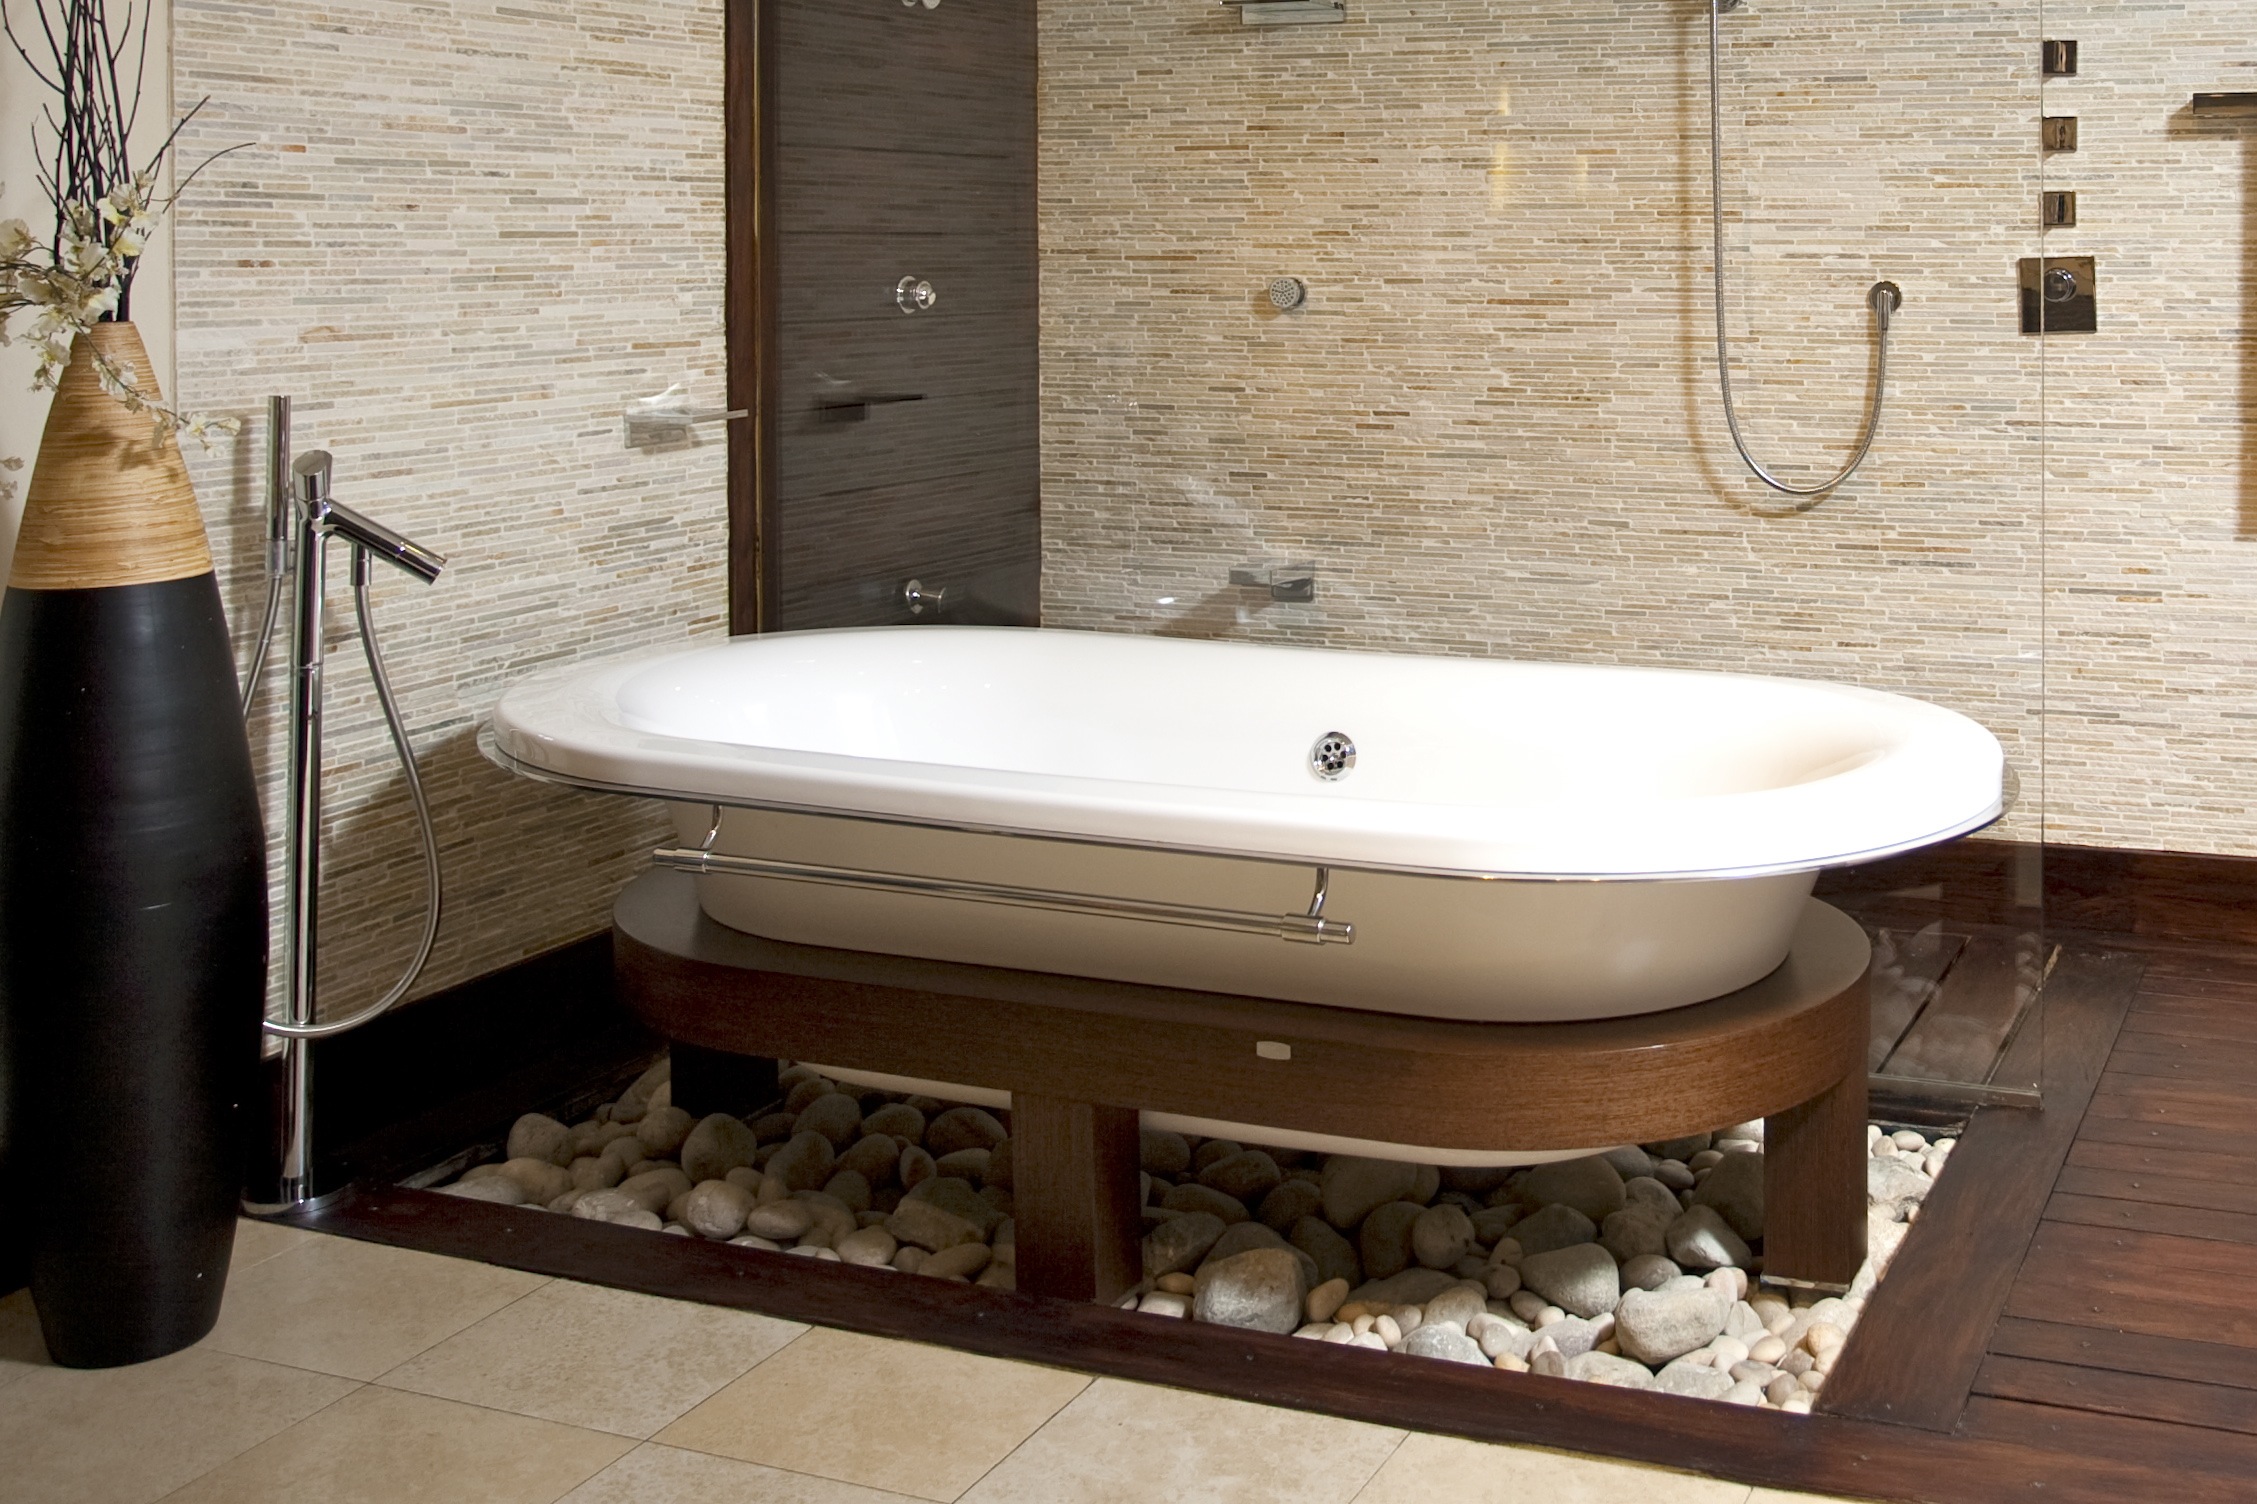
x: 133, y: 930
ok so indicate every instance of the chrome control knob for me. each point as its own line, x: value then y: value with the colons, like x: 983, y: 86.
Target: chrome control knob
x: 914, y: 295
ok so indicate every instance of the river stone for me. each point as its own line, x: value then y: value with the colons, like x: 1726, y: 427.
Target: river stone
x: 1605, y: 1368
x: 804, y: 1163
x: 963, y: 1128
x: 1493, y: 1222
x: 663, y: 1129
x: 868, y: 1246
x: 1648, y: 1272
x: 718, y: 1144
x: 1458, y: 1305
x: 1892, y: 1184
x: 498, y: 1189
x: 1163, y: 1153
x: 797, y: 1099
x: 716, y: 1209
x: 916, y: 1167
x: 590, y: 1137
x: 1446, y: 1342
x: 1335, y: 1256
x: 1498, y: 1336
x: 1656, y: 1326
x: 1554, y: 1227
x: 539, y: 1136
x: 1180, y: 1243
x: 1352, y: 1187
x: 958, y: 1197
x: 542, y: 1180
x: 1573, y: 1336
x: 1580, y: 1279
x: 1697, y: 1380
x: 618, y: 1209
x: 780, y: 1221
x: 1501, y: 1280
x: 1629, y: 1162
x: 898, y: 1121
x: 592, y: 1173
x: 837, y: 1116
x: 1590, y: 1185
x: 1261, y: 1289
x: 1385, y: 1242
x: 965, y: 1164
x: 1699, y: 1239
x: 998, y: 1166
x: 1441, y: 1236
x: 1651, y: 1195
x: 1243, y: 1236
x: 960, y: 1262
x: 1680, y: 1148
x: 1246, y: 1176
x: 850, y: 1189
x: 876, y: 1157
x: 931, y: 1225
x: 1289, y: 1203
x: 1413, y: 1287
x: 653, y: 1190
x: 1635, y: 1231
x: 1193, y: 1197
x: 1735, y: 1189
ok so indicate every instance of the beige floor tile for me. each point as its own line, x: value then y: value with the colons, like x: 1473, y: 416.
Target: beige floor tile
x: 21, y: 1350
x: 917, y: 1420
x: 357, y: 1309
x: 381, y: 1446
x: 1445, y: 1470
x: 256, y: 1242
x: 610, y: 1360
x: 113, y: 1435
x: 652, y: 1474
x: 1123, y: 1443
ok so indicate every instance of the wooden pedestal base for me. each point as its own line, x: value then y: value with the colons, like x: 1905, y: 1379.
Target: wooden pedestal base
x: 1080, y: 1057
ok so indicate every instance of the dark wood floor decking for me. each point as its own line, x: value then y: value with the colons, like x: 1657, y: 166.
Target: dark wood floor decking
x: 2073, y: 1318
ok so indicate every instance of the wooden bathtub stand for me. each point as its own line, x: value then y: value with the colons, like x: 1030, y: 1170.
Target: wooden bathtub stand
x: 1080, y: 1058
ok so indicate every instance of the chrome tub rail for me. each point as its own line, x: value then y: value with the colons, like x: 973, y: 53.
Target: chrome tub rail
x: 1311, y: 928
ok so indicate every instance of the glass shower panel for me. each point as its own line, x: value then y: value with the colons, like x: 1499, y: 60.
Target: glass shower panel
x: 1494, y: 421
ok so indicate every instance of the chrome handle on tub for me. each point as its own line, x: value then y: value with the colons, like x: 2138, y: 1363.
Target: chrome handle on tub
x: 917, y: 595
x: 1311, y: 928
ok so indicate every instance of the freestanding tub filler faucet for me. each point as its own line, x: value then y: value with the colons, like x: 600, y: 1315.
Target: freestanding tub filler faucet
x: 315, y: 517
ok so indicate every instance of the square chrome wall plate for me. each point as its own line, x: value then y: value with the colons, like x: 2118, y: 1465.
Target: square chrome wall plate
x: 2058, y: 295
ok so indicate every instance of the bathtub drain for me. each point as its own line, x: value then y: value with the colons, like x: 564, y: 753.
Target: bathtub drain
x: 1332, y: 756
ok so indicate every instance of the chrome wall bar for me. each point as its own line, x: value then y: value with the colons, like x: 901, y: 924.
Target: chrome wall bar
x: 1311, y: 928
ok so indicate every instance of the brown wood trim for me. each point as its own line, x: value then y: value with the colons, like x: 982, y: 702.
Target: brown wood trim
x: 1393, y: 1077
x: 2127, y: 1352
x: 1080, y: 1223
x: 1815, y: 1453
x: 2179, y: 896
x: 1922, y: 1338
x: 748, y: 71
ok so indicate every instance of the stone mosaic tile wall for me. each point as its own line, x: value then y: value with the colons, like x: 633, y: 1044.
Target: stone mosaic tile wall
x: 461, y: 236
x: 2152, y: 436
x: 1495, y: 425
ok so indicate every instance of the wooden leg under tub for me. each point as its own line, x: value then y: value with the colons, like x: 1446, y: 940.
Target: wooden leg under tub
x: 716, y: 1081
x: 1073, y: 1185
x: 1814, y: 1187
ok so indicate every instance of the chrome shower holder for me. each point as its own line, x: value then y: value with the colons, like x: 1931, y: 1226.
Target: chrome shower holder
x: 1290, y: 12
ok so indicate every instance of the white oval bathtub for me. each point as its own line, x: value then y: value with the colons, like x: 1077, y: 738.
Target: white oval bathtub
x: 1514, y: 841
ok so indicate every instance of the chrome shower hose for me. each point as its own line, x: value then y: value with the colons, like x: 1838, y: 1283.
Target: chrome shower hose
x: 1884, y: 298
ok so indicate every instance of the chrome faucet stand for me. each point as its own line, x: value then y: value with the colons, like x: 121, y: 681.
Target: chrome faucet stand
x: 312, y: 519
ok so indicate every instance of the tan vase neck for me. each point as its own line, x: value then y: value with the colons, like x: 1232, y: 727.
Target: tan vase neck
x: 109, y: 502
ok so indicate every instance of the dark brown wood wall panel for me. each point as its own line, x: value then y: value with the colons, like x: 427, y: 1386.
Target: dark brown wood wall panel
x: 904, y: 444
